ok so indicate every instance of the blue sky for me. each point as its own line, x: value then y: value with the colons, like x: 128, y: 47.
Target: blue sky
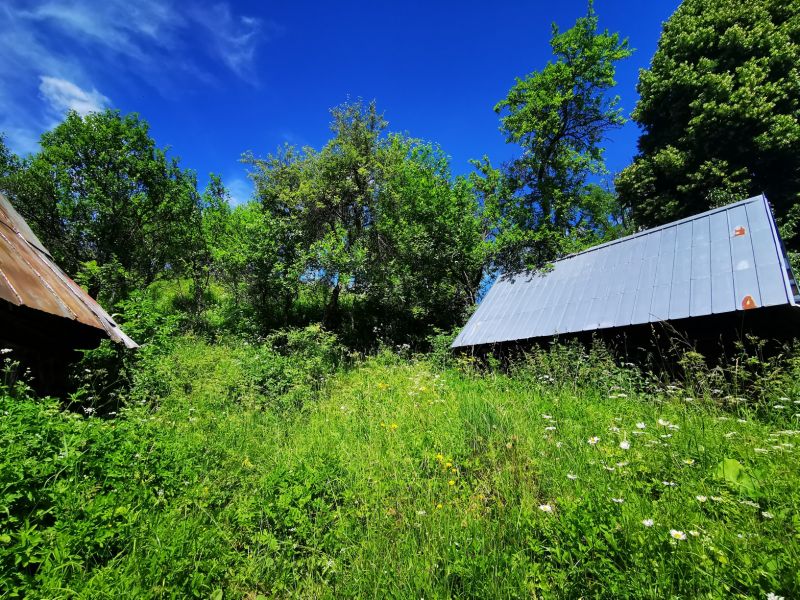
x: 217, y: 79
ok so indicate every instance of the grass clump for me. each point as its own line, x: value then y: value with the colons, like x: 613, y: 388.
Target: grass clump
x: 238, y: 475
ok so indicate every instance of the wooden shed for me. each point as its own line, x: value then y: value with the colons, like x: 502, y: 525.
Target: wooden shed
x: 44, y: 315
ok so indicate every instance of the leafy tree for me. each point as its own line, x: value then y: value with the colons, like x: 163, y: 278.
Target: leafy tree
x: 9, y: 162
x: 109, y: 204
x: 372, y: 216
x: 542, y: 205
x: 720, y: 109
x: 426, y: 253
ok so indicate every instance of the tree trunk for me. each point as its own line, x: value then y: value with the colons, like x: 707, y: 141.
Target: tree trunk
x: 330, y: 318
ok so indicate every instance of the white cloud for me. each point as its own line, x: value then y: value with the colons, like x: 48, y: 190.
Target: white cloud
x: 63, y: 51
x: 240, y: 190
x: 63, y: 95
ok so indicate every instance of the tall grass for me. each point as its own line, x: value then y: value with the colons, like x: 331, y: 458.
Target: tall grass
x: 399, y: 478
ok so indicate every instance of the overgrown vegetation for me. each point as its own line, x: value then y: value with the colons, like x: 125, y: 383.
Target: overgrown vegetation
x: 295, y: 423
x: 244, y: 471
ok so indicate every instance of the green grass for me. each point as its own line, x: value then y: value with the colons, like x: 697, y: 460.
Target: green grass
x: 397, y: 480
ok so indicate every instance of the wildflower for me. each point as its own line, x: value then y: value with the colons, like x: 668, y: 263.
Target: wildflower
x: 730, y: 434
x: 669, y: 483
x: 421, y: 513
x: 571, y: 476
x: 625, y: 444
x: 546, y: 508
x: 742, y: 420
x: 779, y: 407
x: 393, y: 426
x: 509, y: 445
x: 451, y: 482
x: 677, y: 535
x: 647, y: 522
x: 694, y: 533
x: 547, y: 417
x: 666, y: 436
x: 559, y: 444
x: 623, y: 463
x: 688, y: 461
x: 701, y: 498
x: 550, y: 428
x: 640, y: 425
x: 607, y: 468
x: 663, y: 423
x: 717, y: 499
x: 5, y: 350
x: 454, y: 470
x: 773, y: 596
x: 613, y: 429
x: 673, y: 427
x: 593, y: 440
x: 749, y: 503
x: 439, y: 505
x: 440, y: 456
x: 618, y: 500
x: 767, y: 515
x: 447, y: 465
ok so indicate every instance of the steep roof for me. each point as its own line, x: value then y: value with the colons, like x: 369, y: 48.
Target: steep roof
x: 29, y: 277
x: 724, y: 260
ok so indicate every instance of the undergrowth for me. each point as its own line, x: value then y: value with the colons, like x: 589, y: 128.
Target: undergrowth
x: 287, y: 468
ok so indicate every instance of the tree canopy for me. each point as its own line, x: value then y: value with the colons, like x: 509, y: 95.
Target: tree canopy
x: 720, y: 112
x: 543, y: 204
x: 372, y: 214
x: 109, y: 205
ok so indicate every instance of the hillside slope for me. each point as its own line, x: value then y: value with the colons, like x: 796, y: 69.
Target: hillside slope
x: 397, y: 479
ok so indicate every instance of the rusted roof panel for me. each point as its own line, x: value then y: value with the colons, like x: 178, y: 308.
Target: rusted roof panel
x: 29, y: 277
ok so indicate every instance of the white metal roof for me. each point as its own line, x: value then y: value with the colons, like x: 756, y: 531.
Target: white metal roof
x: 727, y: 259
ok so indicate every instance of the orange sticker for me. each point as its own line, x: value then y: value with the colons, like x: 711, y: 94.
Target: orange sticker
x: 739, y: 231
x: 748, y: 303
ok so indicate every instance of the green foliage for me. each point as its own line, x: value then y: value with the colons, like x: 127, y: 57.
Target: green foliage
x: 396, y: 479
x: 110, y: 206
x: 542, y: 207
x: 720, y: 112
x: 372, y: 225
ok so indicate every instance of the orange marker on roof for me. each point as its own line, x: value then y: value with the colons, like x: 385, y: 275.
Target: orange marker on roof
x: 748, y: 303
x: 738, y: 231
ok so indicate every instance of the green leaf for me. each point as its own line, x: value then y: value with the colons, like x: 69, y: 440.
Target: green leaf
x: 732, y: 471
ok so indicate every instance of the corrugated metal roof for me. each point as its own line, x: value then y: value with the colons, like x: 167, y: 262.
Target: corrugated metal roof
x: 29, y: 277
x: 723, y: 260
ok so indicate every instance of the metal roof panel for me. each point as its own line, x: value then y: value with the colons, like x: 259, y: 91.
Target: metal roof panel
x: 707, y: 264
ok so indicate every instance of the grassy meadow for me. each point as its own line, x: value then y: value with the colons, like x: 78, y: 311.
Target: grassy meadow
x: 235, y: 471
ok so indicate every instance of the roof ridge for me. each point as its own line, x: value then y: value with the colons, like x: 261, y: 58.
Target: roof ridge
x: 664, y: 226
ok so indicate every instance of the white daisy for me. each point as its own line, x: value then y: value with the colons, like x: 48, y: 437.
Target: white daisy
x: 546, y: 508
x: 647, y: 522
x: 640, y: 425
x: 677, y: 535
x: 593, y: 440
x: 625, y: 444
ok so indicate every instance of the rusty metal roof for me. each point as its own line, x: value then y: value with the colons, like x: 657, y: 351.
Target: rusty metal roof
x: 29, y: 277
x: 725, y: 260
